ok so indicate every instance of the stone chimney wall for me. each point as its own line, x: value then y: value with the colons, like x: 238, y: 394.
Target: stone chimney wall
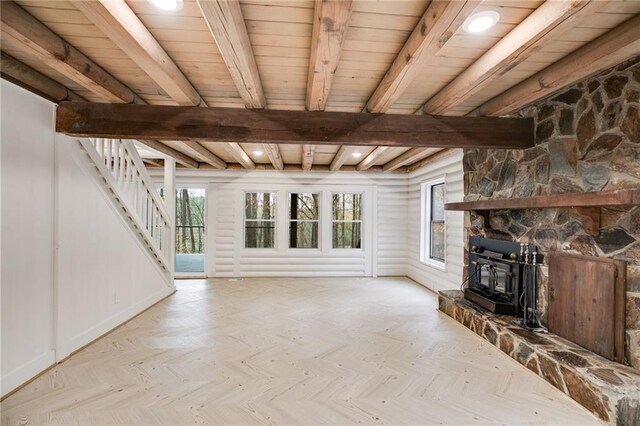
x: 587, y: 140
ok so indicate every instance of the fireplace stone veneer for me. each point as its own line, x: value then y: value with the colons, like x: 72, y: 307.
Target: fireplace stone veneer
x: 608, y: 389
x: 587, y: 140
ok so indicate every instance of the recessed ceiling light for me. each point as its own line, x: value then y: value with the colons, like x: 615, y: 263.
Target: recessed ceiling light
x: 258, y: 153
x: 357, y: 154
x: 481, y: 21
x: 167, y: 4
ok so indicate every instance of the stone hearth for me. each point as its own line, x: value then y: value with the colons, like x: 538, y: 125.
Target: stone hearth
x: 609, y: 390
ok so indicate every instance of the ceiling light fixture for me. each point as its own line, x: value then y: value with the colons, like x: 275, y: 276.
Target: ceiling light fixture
x: 258, y: 153
x: 481, y: 21
x: 171, y: 5
x: 357, y: 154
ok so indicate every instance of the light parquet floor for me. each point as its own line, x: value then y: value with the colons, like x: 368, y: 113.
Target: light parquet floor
x: 292, y: 351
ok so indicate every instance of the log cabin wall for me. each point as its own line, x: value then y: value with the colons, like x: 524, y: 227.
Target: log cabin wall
x: 587, y: 140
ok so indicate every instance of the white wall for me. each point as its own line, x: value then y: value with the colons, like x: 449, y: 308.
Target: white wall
x: 395, y: 213
x: 52, y: 304
x: 384, y: 234
x: 105, y: 275
x: 426, y: 274
x: 27, y: 235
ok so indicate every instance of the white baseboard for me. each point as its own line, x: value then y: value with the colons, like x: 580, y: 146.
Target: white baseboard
x: 27, y: 371
x: 66, y: 345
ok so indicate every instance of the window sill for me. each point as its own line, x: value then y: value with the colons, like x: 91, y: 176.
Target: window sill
x: 435, y: 264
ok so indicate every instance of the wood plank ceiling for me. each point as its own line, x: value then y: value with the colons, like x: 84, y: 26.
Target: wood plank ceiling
x: 389, y: 56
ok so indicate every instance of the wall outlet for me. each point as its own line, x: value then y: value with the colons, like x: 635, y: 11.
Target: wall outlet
x: 116, y: 298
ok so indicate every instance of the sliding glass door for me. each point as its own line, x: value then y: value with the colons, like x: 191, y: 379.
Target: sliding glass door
x: 190, y: 231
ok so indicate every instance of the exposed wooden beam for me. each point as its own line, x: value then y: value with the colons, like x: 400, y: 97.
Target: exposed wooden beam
x: 206, y: 155
x: 298, y: 168
x: 273, y: 152
x: 153, y: 162
x: 118, y: 22
x: 181, y: 158
x: 291, y: 127
x: 226, y: 23
x: 438, y: 24
x: 330, y: 24
x: 431, y: 159
x: 340, y: 157
x: 546, y: 23
x: 36, y: 38
x: 240, y: 155
x: 411, y: 156
x: 44, y: 86
x: 612, y: 48
x: 371, y: 159
x: 32, y: 80
x: 307, y: 156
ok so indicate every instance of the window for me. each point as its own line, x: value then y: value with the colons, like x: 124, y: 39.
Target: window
x: 303, y: 220
x: 347, y: 220
x: 259, y: 219
x: 434, y: 228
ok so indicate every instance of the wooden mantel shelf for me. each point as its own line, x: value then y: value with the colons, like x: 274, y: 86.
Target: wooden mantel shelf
x: 623, y: 197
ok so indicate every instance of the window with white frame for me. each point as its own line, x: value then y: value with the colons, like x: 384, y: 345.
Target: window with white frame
x: 303, y: 220
x: 259, y: 219
x: 347, y: 220
x: 433, y: 222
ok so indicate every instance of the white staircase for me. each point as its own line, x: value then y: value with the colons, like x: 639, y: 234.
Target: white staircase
x: 128, y: 184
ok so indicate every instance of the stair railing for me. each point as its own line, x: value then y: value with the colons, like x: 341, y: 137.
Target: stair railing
x: 124, y: 172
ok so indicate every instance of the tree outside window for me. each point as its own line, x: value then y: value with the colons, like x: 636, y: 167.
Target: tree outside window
x: 259, y: 219
x: 347, y: 220
x: 303, y: 220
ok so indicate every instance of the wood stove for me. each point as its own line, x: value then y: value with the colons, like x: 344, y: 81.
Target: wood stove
x: 498, y: 277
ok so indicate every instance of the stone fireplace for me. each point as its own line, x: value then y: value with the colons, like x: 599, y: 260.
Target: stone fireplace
x: 587, y: 140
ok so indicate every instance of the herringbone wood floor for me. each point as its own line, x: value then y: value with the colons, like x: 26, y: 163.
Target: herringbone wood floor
x: 291, y: 351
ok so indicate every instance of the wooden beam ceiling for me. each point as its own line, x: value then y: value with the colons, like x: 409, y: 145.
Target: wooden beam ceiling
x: 307, y: 156
x: 273, y: 152
x: 30, y: 79
x: 181, y: 158
x: 291, y: 127
x: 608, y: 50
x: 431, y: 159
x: 340, y: 157
x: 330, y: 24
x: 438, y: 24
x: 409, y: 157
x: 546, y: 23
x: 118, y: 22
x: 226, y: 23
x: 38, y: 40
x: 205, y: 154
x: 27, y: 77
x: 331, y: 19
x: 240, y: 155
x: 371, y: 159
x: 51, y: 49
